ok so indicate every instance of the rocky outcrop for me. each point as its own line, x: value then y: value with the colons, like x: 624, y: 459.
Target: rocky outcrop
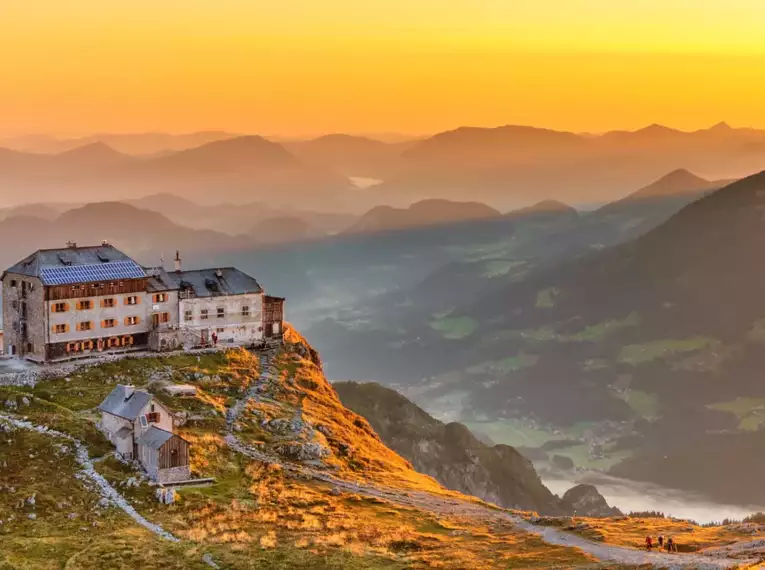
x: 586, y: 501
x: 450, y: 452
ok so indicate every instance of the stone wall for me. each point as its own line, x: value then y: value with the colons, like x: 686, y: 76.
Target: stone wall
x: 175, y: 474
x: 32, y: 293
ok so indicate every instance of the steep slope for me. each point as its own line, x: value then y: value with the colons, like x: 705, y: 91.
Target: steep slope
x: 423, y: 213
x: 449, y: 452
x: 300, y: 481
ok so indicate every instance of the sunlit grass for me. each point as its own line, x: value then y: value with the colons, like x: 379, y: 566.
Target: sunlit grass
x: 455, y: 327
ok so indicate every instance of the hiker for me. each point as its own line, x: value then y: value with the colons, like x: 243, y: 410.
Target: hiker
x: 648, y: 543
x: 671, y: 545
x: 661, y: 541
x: 215, y: 339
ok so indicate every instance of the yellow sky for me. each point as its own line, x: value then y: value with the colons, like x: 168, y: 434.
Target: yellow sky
x: 294, y: 67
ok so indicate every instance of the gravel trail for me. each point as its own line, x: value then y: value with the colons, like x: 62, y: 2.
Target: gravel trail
x: 105, y: 489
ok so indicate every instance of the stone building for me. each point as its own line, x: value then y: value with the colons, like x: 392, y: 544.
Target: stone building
x: 141, y: 428
x: 77, y: 301
x: 58, y: 303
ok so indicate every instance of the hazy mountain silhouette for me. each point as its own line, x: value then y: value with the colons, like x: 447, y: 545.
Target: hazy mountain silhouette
x: 545, y: 209
x: 511, y: 166
x: 134, y: 144
x: 285, y: 229
x: 239, y: 170
x: 351, y: 155
x: 144, y: 234
x: 237, y: 219
x: 423, y: 213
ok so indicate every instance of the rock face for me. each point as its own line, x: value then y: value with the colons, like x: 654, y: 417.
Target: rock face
x: 450, y: 452
x: 586, y: 501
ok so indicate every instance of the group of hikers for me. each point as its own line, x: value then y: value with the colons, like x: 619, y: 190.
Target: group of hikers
x: 669, y: 544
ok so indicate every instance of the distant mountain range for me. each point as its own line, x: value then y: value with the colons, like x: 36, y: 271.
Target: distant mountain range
x: 242, y: 169
x: 423, y: 213
x: 505, y: 167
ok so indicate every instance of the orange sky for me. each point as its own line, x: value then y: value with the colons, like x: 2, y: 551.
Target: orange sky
x: 295, y: 67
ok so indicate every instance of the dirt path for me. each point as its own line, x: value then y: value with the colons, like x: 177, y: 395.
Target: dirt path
x: 104, y: 488
x: 449, y: 506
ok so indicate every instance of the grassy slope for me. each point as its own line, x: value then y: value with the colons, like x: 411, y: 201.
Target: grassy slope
x: 256, y: 515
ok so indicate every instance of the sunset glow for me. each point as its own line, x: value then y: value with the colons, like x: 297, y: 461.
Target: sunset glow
x: 300, y: 67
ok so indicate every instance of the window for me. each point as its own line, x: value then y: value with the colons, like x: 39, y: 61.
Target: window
x: 129, y: 321
x: 15, y: 305
x: 188, y: 315
x: 203, y: 314
x: 245, y: 311
x: 164, y: 317
x: 108, y: 303
x: 84, y: 305
x: 87, y: 345
x: 73, y: 347
x: 108, y: 324
x: 113, y: 341
x: 60, y: 329
x: 85, y: 326
x: 132, y: 300
x: 160, y: 297
x: 144, y: 423
x: 60, y: 307
x: 30, y: 347
x: 13, y: 282
x: 152, y: 417
x: 221, y: 313
x: 220, y: 330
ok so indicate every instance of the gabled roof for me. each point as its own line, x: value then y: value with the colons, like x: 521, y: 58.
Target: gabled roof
x: 78, y: 265
x: 216, y: 282
x: 155, y: 437
x: 160, y: 280
x: 125, y: 402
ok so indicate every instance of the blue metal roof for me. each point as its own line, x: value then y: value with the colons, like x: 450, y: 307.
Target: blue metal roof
x: 112, y: 270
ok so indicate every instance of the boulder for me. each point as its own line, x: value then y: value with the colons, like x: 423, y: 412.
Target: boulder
x: 586, y: 501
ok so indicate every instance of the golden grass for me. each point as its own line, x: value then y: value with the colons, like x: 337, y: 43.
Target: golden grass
x: 688, y: 537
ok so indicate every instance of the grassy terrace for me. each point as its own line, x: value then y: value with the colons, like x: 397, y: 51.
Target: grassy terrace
x: 256, y: 515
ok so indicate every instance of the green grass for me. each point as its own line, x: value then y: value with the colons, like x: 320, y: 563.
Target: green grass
x: 454, y: 328
x: 642, y: 403
x: 636, y: 354
x: 515, y: 432
x: 599, y: 331
x: 580, y: 455
x: 749, y: 411
x: 500, y: 267
x: 546, y: 298
x: 518, y: 362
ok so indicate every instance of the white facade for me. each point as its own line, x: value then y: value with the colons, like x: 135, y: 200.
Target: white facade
x: 112, y: 424
x: 235, y: 319
x: 98, y: 317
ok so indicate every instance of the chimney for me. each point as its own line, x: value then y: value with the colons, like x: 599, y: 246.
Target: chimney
x: 219, y: 273
x: 71, y: 244
x: 177, y: 261
x: 129, y: 389
x: 105, y: 242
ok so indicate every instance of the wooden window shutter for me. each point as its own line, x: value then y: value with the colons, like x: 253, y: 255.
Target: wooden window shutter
x: 137, y: 299
x: 103, y: 303
x: 138, y: 319
x: 103, y: 324
x: 66, y: 307
x: 127, y: 321
x: 67, y: 327
x: 79, y: 326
